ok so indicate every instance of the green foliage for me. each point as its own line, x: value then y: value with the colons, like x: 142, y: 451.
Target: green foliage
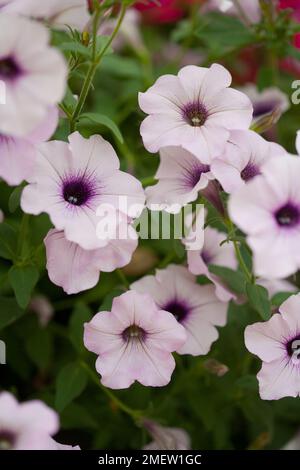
x: 70, y: 383
x: 259, y: 299
x: 23, y: 279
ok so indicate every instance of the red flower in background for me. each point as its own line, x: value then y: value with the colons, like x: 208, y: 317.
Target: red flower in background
x: 163, y: 11
x: 294, y: 5
x: 289, y: 64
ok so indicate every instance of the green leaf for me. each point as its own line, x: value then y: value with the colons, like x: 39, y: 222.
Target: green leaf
x: 9, y: 311
x: 104, y: 121
x: 235, y: 280
x: 8, y: 241
x: 80, y: 315
x: 224, y: 32
x: 101, y: 43
x: 14, y: 199
x: 265, y: 78
x: 108, y: 299
x: 76, y: 416
x: 248, y: 382
x: 259, y: 299
x: 39, y: 347
x: 75, y: 47
x: 280, y: 297
x: 70, y: 383
x: 122, y: 67
x: 23, y: 280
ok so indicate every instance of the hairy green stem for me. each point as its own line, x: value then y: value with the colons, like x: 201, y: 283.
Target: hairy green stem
x: 96, y: 59
x: 238, y: 253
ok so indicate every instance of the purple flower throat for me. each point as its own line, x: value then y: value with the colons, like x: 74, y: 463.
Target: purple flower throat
x: 178, y: 308
x: 288, y: 215
x: 78, y: 190
x: 9, y: 69
x: 195, y: 114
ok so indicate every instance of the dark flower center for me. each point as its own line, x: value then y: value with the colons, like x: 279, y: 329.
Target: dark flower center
x: 134, y: 332
x: 287, y: 215
x: 193, y: 176
x: 178, y: 308
x: 249, y: 172
x: 195, y: 114
x: 78, y: 190
x: 7, y: 440
x: 9, y: 69
x: 293, y: 347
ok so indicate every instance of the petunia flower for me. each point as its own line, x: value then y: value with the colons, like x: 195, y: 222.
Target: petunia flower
x: 244, y: 155
x: 134, y: 342
x: 267, y: 209
x: 195, y: 110
x: 195, y: 306
x: 181, y: 176
x: 26, y: 426
x: 266, y: 101
x: 34, y: 75
x: 73, y: 13
x: 277, y: 343
x: 216, y: 253
x: 18, y: 154
x: 76, y: 269
x: 166, y: 438
x: 78, y: 185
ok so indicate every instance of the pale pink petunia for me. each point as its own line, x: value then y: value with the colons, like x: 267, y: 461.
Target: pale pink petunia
x: 58, y: 13
x: 18, y: 154
x: 194, y: 109
x: 180, y: 177
x: 166, y: 438
x: 244, y: 155
x: 267, y: 209
x: 217, y: 253
x: 76, y: 269
x: 79, y: 184
x: 195, y: 306
x: 134, y: 342
x: 26, y: 426
x: 277, y: 343
x: 34, y: 75
x: 266, y: 101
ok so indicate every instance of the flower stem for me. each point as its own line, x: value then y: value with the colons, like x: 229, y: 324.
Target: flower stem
x: 135, y: 414
x: 238, y: 253
x: 96, y: 59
